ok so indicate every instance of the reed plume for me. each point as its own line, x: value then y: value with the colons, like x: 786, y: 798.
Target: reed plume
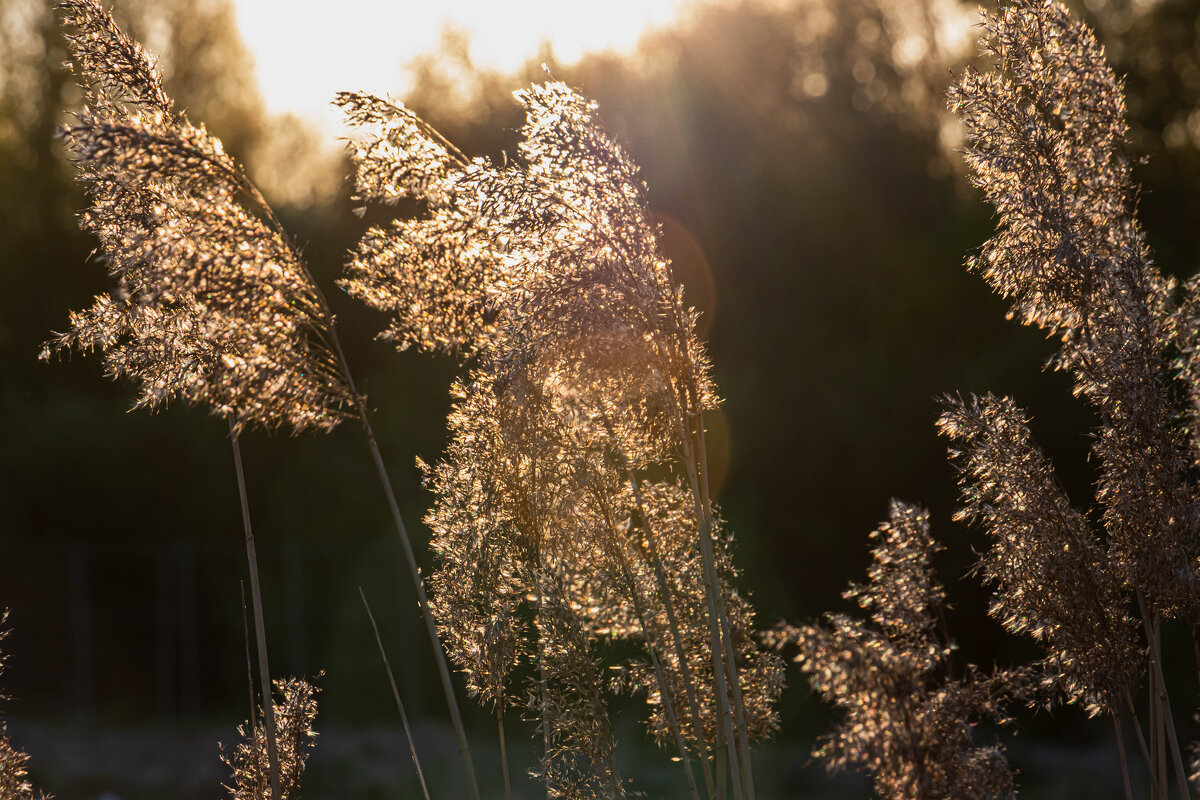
x: 1046, y: 143
x: 1051, y: 574
x: 294, y: 711
x: 587, y: 377
x: 214, y: 304
x: 900, y: 721
x: 1046, y: 136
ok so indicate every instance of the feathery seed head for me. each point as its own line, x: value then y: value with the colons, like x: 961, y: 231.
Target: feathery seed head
x: 1046, y: 143
x: 912, y: 732
x: 1054, y: 581
x: 213, y: 304
x: 587, y: 373
x: 295, y: 710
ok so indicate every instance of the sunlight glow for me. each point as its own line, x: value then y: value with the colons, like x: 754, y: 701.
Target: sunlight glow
x: 305, y: 53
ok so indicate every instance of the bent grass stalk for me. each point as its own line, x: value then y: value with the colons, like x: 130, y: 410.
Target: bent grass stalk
x: 412, y: 746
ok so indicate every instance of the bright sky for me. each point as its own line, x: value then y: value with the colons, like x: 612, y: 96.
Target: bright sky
x: 304, y: 53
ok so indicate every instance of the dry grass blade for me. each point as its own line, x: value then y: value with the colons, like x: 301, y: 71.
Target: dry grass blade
x: 412, y: 745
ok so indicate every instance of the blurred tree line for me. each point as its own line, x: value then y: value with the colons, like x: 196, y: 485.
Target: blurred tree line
x: 801, y: 161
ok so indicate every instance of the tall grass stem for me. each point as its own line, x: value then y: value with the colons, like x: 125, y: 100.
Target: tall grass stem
x: 394, y: 506
x: 249, y: 672
x: 1116, y: 720
x: 503, y: 750
x: 264, y: 671
x: 652, y: 649
x: 712, y: 587
x: 460, y: 733
x: 1161, y: 699
x: 1141, y: 739
x: 747, y: 772
x: 664, y: 589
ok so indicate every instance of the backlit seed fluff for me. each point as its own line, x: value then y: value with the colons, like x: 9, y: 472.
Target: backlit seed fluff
x: 213, y: 304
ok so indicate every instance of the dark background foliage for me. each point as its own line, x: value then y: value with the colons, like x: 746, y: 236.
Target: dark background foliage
x: 820, y: 223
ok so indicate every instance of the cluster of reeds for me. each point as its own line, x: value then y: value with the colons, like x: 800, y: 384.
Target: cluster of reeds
x: 1046, y: 143
x: 573, y: 505
x: 214, y: 304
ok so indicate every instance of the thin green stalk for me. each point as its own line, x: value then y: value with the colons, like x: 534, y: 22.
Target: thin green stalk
x: 412, y: 746
x: 264, y: 671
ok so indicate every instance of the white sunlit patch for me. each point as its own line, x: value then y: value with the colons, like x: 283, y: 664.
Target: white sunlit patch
x: 304, y: 55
